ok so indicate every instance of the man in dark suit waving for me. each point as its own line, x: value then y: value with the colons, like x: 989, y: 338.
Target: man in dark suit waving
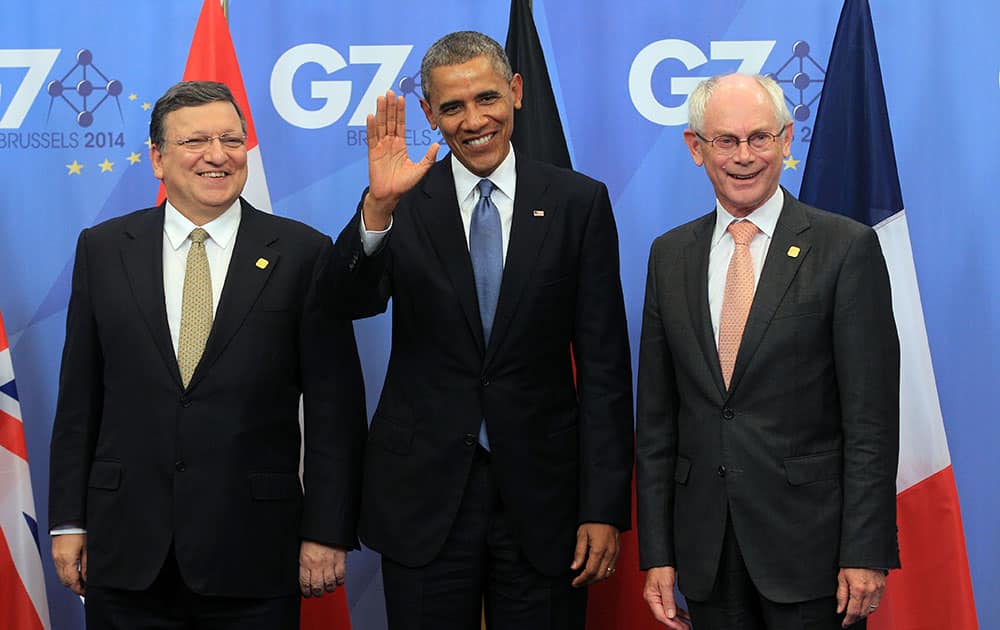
x: 193, y: 328
x: 768, y: 396
x: 489, y: 475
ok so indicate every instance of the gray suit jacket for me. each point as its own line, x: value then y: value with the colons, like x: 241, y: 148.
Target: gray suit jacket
x: 801, y: 451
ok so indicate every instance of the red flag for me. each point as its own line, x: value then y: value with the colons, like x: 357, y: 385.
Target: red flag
x: 213, y: 58
x: 23, y: 604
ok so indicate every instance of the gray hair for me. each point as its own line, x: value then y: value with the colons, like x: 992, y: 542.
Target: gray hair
x: 459, y: 47
x: 698, y: 101
x: 188, y: 94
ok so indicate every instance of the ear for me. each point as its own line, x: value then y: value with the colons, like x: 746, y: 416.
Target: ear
x: 786, y: 143
x: 691, y: 140
x: 517, y: 88
x: 428, y: 113
x: 156, y: 159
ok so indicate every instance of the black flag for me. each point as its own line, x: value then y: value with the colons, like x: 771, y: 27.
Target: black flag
x: 538, y: 131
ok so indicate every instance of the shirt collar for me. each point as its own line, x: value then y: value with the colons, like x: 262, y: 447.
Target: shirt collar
x: 764, y: 217
x: 504, y: 177
x: 221, y: 229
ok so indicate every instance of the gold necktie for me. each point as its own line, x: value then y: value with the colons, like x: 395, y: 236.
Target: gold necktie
x: 196, y: 307
x: 737, y: 297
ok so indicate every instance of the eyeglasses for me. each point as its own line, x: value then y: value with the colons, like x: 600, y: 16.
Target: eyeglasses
x: 727, y: 144
x: 196, y: 144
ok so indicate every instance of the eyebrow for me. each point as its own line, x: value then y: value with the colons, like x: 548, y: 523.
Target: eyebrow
x: 457, y: 102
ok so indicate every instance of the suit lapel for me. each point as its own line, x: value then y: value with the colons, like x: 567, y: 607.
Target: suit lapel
x: 527, y: 232
x: 696, y: 281
x: 244, y: 282
x: 142, y: 258
x: 777, y: 274
x: 442, y: 219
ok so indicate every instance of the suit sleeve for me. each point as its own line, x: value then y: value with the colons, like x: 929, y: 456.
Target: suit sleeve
x: 656, y: 432
x: 335, y: 422
x: 78, y: 409
x: 360, y: 283
x: 866, y: 353
x: 604, y: 374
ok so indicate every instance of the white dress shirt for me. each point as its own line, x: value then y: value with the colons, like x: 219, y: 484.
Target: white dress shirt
x: 504, y: 179
x: 176, y: 244
x: 765, y: 218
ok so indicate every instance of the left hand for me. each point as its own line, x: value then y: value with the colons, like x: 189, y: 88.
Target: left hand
x: 321, y: 569
x: 597, y: 547
x: 859, y: 592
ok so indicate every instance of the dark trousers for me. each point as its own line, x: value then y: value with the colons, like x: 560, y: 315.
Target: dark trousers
x: 168, y: 604
x: 481, y: 564
x: 735, y: 603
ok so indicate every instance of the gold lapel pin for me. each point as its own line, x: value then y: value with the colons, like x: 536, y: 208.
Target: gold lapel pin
x: 262, y: 263
x: 538, y: 213
x: 793, y: 252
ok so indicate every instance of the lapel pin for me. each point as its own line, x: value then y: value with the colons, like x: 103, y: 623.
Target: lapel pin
x: 793, y: 252
x: 538, y: 213
x: 262, y: 263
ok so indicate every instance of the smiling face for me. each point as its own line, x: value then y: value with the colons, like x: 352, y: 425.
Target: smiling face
x: 473, y: 106
x: 747, y: 178
x: 201, y: 184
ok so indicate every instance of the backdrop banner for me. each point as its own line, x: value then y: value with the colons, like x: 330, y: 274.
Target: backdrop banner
x: 78, y: 80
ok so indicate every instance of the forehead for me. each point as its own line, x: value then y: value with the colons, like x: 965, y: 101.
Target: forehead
x: 210, y: 117
x: 740, y: 108
x: 467, y: 78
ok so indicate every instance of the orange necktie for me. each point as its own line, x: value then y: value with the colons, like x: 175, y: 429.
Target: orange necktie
x: 737, y: 297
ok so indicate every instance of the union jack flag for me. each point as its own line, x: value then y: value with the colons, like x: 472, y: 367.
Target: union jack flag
x: 23, y: 605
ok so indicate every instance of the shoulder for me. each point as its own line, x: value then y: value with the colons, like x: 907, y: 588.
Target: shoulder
x: 129, y: 224
x: 826, y: 222
x: 283, y: 228
x: 563, y: 179
x: 684, y: 233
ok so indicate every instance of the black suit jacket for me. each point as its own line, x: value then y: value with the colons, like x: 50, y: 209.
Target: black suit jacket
x: 802, y: 449
x: 141, y: 462
x: 561, y: 454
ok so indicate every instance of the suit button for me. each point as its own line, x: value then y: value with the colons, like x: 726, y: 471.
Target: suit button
x: 485, y: 381
x: 722, y: 471
x: 470, y: 440
x: 185, y: 402
x: 728, y: 414
x: 179, y: 466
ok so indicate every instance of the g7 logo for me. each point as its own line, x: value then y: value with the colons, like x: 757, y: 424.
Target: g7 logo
x: 336, y: 95
x: 39, y: 63
x: 751, y: 54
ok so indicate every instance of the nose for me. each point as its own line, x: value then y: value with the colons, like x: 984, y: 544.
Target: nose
x: 215, y: 152
x: 743, y: 152
x: 474, y: 117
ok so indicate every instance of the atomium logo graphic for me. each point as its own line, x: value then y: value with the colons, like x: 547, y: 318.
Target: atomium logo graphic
x: 800, y: 80
x: 408, y: 85
x: 79, y: 93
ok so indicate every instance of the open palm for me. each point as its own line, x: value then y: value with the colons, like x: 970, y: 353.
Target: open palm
x: 390, y: 171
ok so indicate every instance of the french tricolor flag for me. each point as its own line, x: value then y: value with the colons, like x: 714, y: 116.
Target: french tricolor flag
x: 851, y: 169
x: 23, y: 604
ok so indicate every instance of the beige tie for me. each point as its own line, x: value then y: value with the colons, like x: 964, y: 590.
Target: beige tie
x: 196, y: 307
x: 737, y: 297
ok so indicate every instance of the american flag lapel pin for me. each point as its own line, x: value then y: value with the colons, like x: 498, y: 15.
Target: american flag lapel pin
x: 538, y: 213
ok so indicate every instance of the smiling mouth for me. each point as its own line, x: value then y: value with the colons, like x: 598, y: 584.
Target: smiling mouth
x: 213, y: 174
x: 478, y: 142
x: 744, y: 177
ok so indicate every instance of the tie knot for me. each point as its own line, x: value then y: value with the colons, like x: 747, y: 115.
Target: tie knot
x: 485, y: 187
x: 198, y: 235
x: 742, y: 231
